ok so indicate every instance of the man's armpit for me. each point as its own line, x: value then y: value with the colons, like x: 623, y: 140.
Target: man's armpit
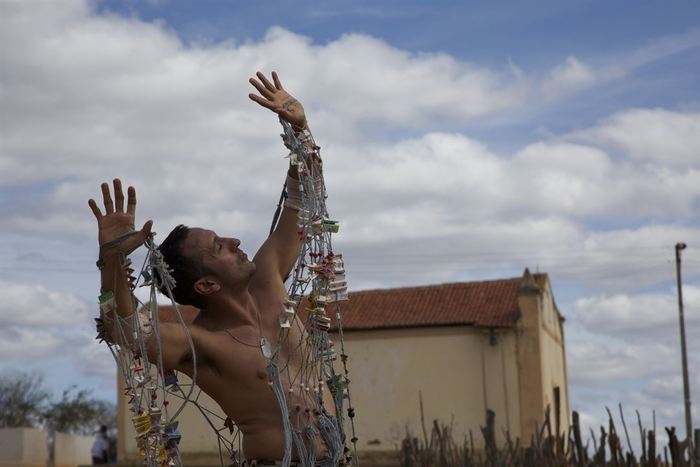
x: 174, y: 345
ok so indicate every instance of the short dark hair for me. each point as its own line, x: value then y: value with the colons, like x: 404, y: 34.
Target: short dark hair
x: 186, y: 271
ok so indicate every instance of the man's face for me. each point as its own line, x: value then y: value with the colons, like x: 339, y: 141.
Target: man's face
x: 220, y: 257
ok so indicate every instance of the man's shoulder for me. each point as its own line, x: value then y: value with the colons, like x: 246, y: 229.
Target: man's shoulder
x: 169, y: 313
x: 265, y: 285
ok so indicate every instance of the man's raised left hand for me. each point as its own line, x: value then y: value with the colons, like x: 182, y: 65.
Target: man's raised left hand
x: 275, y: 98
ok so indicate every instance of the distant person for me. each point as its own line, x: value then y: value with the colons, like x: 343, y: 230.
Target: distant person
x: 100, y: 447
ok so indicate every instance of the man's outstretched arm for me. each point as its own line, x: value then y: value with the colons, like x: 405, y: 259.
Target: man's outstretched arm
x: 118, y: 238
x: 279, y: 252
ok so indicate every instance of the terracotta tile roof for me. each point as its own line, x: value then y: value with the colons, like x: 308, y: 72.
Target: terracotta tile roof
x: 486, y: 304
x: 482, y: 304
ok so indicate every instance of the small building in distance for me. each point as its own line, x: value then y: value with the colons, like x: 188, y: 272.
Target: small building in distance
x: 465, y: 347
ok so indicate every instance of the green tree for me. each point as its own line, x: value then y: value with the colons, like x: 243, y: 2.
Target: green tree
x: 76, y: 412
x: 23, y: 400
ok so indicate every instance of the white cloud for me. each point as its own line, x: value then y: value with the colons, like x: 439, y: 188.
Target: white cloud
x: 32, y: 304
x: 625, y: 348
x: 437, y: 172
x: 568, y: 76
x: 573, y: 75
x: 38, y: 322
x: 637, y: 371
x: 646, y: 314
x: 665, y: 46
x: 95, y: 359
x: 85, y: 92
x: 508, y: 211
x: 24, y: 344
x: 656, y: 136
x: 127, y: 98
x: 375, y: 82
x: 600, y: 362
x: 468, y: 181
x: 658, y: 398
x: 563, y: 178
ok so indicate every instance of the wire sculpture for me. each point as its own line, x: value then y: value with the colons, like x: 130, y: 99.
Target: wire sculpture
x: 315, y: 289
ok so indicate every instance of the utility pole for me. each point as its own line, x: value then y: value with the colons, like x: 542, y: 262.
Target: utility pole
x: 684, y: 357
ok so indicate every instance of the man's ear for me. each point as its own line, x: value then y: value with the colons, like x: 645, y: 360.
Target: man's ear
x: 207, y: 285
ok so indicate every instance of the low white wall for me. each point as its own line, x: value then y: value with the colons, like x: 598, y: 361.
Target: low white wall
x: 28, y: 447
x: 72, y: 450
x: 23, y: 447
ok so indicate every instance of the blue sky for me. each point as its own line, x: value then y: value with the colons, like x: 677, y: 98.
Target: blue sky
x: 486, y: 137
x: 488, y: 32
x: 535, y: 36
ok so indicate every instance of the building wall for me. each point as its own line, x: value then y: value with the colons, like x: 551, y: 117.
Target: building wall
x: 23, y: 447
x: 541, y: 357
x: 28, y: 447
x: 458, y: 370
x: 554, y: 362
x: 72, y: 450
x: 502, y: 381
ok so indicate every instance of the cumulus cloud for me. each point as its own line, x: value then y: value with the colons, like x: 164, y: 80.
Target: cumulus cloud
x: 584, y: 181
x: 600, y: 362
x: 544, y: 178
x: 128, y: 98
x: 625, y: 348
x: 655, y: 136
x: 443, y: 194
x: 477, y: 210
x: 646, y: 314
x: 656, y: 398
x: 95, y: 359
x: 32, y: 304
x: 568, y: 76
x: 573, y: 75
x: 38, y: 322
x: 563, y: 178
x: 121, y: 90
x: 26, y: 344
x: 641, y: 371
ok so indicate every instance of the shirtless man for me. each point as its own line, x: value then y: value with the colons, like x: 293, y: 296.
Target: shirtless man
x: 240, y: 302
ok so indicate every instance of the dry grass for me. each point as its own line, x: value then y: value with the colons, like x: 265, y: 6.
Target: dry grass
x: 546, y: 449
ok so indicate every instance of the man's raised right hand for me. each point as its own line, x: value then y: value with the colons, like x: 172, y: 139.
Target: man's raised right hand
x: 115, y: 223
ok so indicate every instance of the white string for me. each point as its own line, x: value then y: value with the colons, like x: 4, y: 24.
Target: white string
x: 316, y: 354
x: 159, y: 446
